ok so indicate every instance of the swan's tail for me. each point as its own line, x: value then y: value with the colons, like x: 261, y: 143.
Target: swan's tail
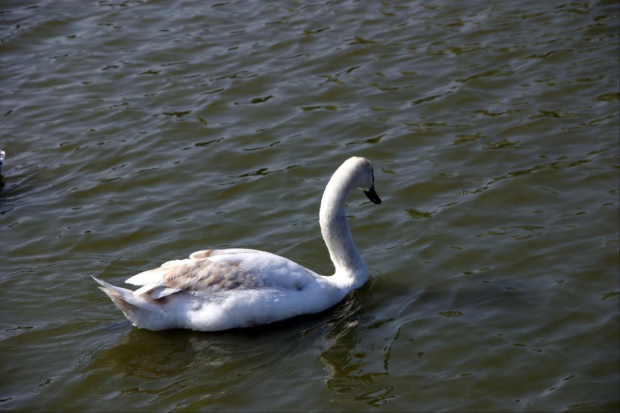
x: 137, y: 310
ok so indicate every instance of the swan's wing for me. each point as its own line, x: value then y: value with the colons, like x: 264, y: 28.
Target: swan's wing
x: 213, y: 271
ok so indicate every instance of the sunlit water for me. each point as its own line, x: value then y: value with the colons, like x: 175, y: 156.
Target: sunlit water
x: 140, y: 131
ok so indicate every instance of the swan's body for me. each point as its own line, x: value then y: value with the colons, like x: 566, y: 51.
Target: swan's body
x: 222, y: 289
x: 2, y: 156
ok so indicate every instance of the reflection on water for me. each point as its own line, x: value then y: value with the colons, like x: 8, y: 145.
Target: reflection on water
x: 354, y: 363
x: 165, y: 367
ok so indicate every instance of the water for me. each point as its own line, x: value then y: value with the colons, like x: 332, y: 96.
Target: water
x: 138, y: 132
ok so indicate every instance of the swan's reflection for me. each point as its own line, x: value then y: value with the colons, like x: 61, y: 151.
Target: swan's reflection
x: 353, y: 348
x: 356, y: 357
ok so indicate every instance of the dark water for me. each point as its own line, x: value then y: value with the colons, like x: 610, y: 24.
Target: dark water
x: 140, y: 131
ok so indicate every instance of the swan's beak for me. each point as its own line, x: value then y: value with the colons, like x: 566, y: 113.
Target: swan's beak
x: 372, y: 195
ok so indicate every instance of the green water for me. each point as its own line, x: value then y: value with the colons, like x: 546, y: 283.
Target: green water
x: 140, y: 131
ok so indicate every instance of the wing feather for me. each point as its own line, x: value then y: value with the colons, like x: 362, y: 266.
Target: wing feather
x: 212, y: 271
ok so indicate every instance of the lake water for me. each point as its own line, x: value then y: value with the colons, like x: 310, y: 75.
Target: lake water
x: 140, y: 131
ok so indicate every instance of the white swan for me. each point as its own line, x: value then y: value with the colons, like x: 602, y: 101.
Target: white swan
x: 222, y: 289
x: 2, y: 156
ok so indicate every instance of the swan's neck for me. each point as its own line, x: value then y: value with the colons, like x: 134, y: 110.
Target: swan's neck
x: 351, y: 271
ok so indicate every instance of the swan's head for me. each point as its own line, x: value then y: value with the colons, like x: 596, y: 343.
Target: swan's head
x: 364, y: 177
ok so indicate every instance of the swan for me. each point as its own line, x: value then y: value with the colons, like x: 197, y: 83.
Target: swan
x: 2, y: 156
x: 216, y: 290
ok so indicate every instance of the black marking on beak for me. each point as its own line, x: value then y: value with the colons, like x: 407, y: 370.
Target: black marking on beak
x: 372, y: 195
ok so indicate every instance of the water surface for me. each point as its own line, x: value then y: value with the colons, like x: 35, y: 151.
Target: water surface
x: 138, y: 132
